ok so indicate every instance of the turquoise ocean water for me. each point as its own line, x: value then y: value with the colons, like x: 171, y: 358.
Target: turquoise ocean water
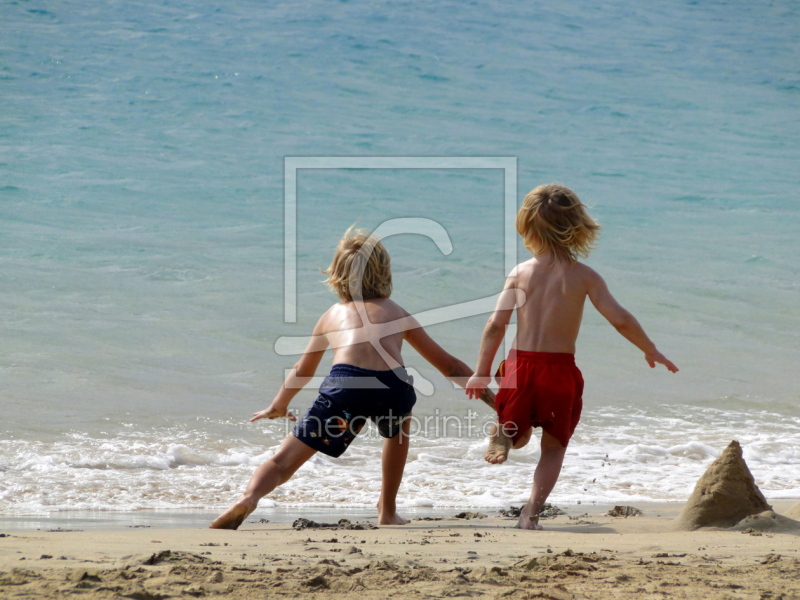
x: 142, y: 234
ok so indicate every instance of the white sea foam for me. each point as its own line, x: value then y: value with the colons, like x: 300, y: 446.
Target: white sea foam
x: 607, y: 461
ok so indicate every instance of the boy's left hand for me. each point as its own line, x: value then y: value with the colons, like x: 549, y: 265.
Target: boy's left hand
x: 656, y: 357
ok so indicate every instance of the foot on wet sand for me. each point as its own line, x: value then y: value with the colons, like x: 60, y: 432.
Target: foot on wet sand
x: 526, y: 521
x: 233, y: 517
x: 499, y: 445
x: 392, y: 519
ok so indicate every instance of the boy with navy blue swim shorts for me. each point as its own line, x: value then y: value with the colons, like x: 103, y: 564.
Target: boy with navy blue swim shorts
x: 367, y: 381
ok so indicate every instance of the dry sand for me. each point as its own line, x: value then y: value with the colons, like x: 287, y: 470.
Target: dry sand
x: 579, y: 555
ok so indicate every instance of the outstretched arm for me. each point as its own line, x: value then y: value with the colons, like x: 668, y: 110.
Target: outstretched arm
x: 448, y: 365
x: 624, y: 322
x: 299, y: 376
x: 492, y: 337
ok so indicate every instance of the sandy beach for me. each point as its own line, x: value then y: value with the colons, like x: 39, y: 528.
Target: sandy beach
x: 583, y: 553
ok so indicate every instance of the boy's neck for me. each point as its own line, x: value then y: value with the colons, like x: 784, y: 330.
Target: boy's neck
x: 546, y: 256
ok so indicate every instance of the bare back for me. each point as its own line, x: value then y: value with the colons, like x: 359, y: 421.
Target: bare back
x: 555, y: 292
x: 354, y: 341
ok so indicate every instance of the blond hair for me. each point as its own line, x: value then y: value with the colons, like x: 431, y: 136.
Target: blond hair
x: 361, y: 267
x: 553, y: 218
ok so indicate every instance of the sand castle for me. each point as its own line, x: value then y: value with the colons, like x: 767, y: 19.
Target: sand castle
x: 727, y: 496
x: 724, y: 495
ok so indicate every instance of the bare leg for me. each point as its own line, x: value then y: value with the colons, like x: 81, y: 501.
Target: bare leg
x: 393, y: 463
x: 277, y: 470
x: 500, y: 443
x: 544, y: 479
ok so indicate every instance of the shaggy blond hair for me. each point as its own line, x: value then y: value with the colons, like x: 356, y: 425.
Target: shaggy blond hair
x: 361, y: 267
x: 553, y: 218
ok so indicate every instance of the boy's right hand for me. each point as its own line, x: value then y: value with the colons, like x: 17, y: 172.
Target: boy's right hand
x: 477, y: 385
x: 273, y: 413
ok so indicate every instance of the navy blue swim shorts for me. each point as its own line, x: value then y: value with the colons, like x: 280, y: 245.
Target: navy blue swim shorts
x: 347, y: 398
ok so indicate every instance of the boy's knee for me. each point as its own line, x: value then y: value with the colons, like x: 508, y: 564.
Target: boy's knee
x: 283, y: 471
x: 523, y: 439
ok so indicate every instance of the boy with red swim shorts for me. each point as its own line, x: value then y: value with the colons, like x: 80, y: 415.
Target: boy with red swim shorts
x: 540, y: 385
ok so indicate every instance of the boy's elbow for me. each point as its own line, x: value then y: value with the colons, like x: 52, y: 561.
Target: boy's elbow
x: 623, y: 322
x: 302, y: 372
x: 618, y: 324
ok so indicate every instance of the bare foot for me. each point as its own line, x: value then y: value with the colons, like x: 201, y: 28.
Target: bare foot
x: 528, y: 521
x: 391, y: 519
x: 499, y: 445
x: 234, y: 516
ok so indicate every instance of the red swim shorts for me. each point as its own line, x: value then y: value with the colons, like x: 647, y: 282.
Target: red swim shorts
x: 540, y: 389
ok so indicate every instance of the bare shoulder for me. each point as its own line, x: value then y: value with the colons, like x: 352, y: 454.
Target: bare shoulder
x: 582, y: 277
x: 520, y: 272
x: 588, y: 278
x: 376, y: 311
x: 523, y: 267
x: 395, y: 306
x: 388, y: 309
x: 586, y: 272
x: 326, y: 322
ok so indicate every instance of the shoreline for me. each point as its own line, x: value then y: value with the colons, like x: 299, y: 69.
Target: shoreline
x: 200, y: 518
x: 579, y: 555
